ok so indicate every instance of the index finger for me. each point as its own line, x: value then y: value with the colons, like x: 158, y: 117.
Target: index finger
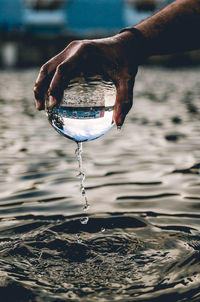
x: 40, y: 87
x: 44, y: 78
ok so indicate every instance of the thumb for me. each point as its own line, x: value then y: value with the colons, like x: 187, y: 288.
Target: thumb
x: 124, y: 100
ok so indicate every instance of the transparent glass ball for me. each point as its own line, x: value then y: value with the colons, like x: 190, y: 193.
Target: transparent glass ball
x: 86, y: 110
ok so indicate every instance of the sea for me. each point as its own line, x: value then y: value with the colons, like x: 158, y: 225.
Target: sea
x: 142, y: 238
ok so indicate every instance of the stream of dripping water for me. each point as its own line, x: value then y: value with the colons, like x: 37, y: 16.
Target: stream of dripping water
x: 81, y: 176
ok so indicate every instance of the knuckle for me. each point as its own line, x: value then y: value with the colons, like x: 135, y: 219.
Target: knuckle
x: 74, y: 43
x: 82, y: 45
x: 44, y: 69
x: 36, y: 91
x: 86, y: 46
x: 60, y: 69
x: 54, y: 90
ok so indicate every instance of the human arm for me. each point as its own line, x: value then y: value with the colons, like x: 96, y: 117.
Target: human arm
x: 169, y: 30
x: 175, y: 28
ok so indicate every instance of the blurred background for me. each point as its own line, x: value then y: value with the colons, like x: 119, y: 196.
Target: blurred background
x: 142, y: 240
x: 32, y: 31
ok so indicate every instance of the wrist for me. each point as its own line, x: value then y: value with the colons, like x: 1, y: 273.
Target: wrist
x: 135, y: 41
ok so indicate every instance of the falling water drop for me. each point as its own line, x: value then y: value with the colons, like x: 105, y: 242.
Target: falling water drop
x: 81, y: 176
x: 84, y: 220
x: 86, y: 207
x: 79, y: 239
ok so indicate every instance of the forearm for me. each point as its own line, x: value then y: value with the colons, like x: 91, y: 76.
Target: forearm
x: 174, y: 28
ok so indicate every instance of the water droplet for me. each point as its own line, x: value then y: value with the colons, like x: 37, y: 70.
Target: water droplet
x: 83, y: 191
x: 84, y: 220
x: 78, y: 150
x: 81, y: 175
x: 79, y: 239
x: 86, y: 207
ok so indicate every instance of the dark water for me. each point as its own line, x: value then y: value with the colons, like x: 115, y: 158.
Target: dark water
x: 142, y: 241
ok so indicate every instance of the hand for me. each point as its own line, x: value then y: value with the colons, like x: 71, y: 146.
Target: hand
x: 116, y: 57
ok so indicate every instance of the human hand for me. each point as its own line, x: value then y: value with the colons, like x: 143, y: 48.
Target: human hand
x: 116, y: 57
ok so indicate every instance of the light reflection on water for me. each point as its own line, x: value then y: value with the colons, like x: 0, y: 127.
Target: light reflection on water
x: 143, y: 188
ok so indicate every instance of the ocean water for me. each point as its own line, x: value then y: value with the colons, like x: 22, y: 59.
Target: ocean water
x: 142, y: 239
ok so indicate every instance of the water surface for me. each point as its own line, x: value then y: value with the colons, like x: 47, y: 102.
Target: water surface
x: 142, y: 240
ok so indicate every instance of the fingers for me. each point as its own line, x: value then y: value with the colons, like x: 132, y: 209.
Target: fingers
x: 39, y: 88
x: 44, y: 78
x: 75, y: 62
x: 64, y: 72
x: 55, y: 74
x: 124, y: 100
x: 42, y: 83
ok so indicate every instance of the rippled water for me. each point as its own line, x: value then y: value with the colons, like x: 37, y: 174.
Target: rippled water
x: 142, y: 240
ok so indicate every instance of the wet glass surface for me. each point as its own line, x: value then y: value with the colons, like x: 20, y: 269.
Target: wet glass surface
x: 86, y: 110
x: 142, y: 239
x: 82, y: 124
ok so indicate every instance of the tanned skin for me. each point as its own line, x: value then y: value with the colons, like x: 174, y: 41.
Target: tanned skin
x: 175, y: 28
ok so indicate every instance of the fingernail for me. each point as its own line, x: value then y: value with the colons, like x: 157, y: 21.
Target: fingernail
x: 38, y: 104
x: 52, y: 101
